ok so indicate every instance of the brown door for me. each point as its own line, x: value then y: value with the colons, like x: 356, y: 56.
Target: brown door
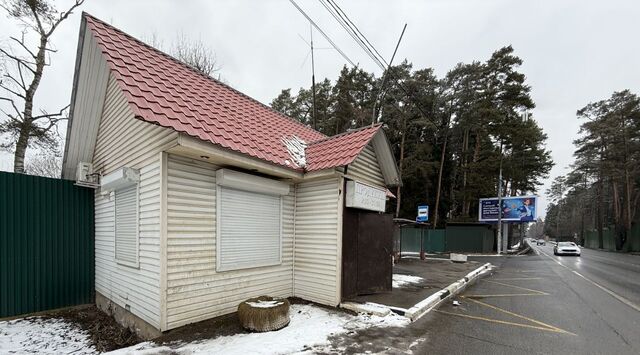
x: 366, y: 252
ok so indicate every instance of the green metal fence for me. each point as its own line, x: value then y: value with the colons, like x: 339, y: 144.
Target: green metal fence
x: 46, y: 244
x: 414, y: 237
x: 608, y: 239
x: 470, y: 238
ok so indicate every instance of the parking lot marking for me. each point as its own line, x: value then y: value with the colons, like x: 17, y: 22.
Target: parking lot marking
x: 539, y: 325
x: 518, y: 287
x: 530, y: 292
x: 491, y: 320
x: 506, y: 295
x: 542, y: 324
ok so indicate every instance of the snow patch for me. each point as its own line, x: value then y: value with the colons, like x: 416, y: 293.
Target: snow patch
x: 296, y: 148
x: 43, y: 336
x: 265, y: 304
x: 400, y: 280
x: 310, y: 328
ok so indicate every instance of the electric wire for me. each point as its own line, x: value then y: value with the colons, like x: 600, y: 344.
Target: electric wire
x: 322, y: 33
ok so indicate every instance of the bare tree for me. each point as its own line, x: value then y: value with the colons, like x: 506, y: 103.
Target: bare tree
x: 193, y: 53
x: 47, y: 163
x: 24, y: 66
x: 196, y: 54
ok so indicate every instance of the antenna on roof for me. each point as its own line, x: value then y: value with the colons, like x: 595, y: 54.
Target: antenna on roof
x: 313, y: 80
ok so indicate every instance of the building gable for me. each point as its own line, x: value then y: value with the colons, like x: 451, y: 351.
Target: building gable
x: 123, y: 140
x: 89, y: 88
x: 366, y: 168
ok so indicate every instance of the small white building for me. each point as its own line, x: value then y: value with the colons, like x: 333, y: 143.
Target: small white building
x: 204, y: 196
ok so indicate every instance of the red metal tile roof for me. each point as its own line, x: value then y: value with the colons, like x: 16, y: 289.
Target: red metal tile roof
x: 166, y: 92
x: 339, y: 150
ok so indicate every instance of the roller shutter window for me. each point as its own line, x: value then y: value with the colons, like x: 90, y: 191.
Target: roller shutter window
x: 126, y: 216
x: 249, y: 229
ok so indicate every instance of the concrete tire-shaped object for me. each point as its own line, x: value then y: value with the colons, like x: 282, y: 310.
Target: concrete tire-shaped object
x: 264, y: 313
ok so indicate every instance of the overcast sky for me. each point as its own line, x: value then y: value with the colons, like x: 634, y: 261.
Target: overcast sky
x: 574, y: 51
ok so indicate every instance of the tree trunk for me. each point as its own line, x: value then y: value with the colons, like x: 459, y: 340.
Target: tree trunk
x: 465, y: 147
x: 27, y: 123
x: 444, y: 149
x: 599, y: 213
x: 399, y: 189
x: 616, y: 202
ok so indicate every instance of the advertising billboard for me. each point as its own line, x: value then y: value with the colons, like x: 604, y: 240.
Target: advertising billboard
x: 514, y: 209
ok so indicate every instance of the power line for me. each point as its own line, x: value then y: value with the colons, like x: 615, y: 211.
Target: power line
x: 379, y: 56
x: 322, y: 33
x: 345, y: 25
x: 354, y: 31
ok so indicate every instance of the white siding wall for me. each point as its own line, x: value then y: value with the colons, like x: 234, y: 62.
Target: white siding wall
x: 126, y: 141
x: 195, y: 291
x: 318, y: 241
x: 366, y: 169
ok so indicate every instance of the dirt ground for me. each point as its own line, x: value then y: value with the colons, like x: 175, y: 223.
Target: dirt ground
x: 105, y: 333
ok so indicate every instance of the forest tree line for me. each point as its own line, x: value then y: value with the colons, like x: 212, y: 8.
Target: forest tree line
x: 602, y: 189
x: 449, y: 135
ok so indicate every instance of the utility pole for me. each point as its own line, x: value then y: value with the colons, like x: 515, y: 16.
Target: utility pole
x: 499, y: 247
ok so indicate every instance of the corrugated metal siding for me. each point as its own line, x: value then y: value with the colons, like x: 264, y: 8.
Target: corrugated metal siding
x: 195, y: 291
x: 126, y: 141
x: 366, y: 169
x: 93, y: 76
x: 46, y: 244
x: 317, y: 241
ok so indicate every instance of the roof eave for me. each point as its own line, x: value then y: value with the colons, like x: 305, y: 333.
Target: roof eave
x: 74, y: 90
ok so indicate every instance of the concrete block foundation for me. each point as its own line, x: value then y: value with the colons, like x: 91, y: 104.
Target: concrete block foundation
x: 127, y: 319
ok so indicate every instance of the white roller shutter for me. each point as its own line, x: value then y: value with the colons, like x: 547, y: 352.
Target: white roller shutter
x: 249, y: 229
x: 127, y: 225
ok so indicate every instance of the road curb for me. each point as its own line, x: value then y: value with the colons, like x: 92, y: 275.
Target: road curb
x: 423, y: 307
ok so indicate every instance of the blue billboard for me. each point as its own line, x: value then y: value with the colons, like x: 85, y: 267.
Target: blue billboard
x: 514, y: 209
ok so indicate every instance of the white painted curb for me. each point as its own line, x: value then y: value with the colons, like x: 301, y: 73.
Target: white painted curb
x: 433, y: 301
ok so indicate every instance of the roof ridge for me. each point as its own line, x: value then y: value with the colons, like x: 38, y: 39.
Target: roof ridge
x: 86, y: 14
x: 379, y: 124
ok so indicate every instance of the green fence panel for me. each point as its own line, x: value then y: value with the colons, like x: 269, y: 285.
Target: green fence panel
x: 633, y: 239
x: 410, y: 239
x: 46, y: 244
x: 469, y: 238
x: 433, y: 240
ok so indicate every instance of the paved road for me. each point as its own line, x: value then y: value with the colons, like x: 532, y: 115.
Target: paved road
x: 617, y: 272
x: 535, y: 304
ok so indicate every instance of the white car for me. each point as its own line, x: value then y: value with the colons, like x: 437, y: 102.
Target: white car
x: 566, y: 248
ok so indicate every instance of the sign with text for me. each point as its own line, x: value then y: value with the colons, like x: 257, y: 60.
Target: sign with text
x: 365, y: 197
x: 514, y: 209
x: 423, y: 213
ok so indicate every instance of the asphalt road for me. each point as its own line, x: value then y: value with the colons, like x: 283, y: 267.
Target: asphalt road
x: 544, y: 304
x: 533, y: 304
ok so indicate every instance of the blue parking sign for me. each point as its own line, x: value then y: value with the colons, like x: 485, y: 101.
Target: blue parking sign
x: 423, y: 213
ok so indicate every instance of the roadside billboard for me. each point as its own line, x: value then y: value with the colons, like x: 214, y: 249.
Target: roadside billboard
x: 514, y: 209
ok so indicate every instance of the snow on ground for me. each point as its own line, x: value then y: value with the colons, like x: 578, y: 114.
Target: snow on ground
x: 310, y: 327
x: 265, y: 304
x: 43, y: 336
x: 400, y: 280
